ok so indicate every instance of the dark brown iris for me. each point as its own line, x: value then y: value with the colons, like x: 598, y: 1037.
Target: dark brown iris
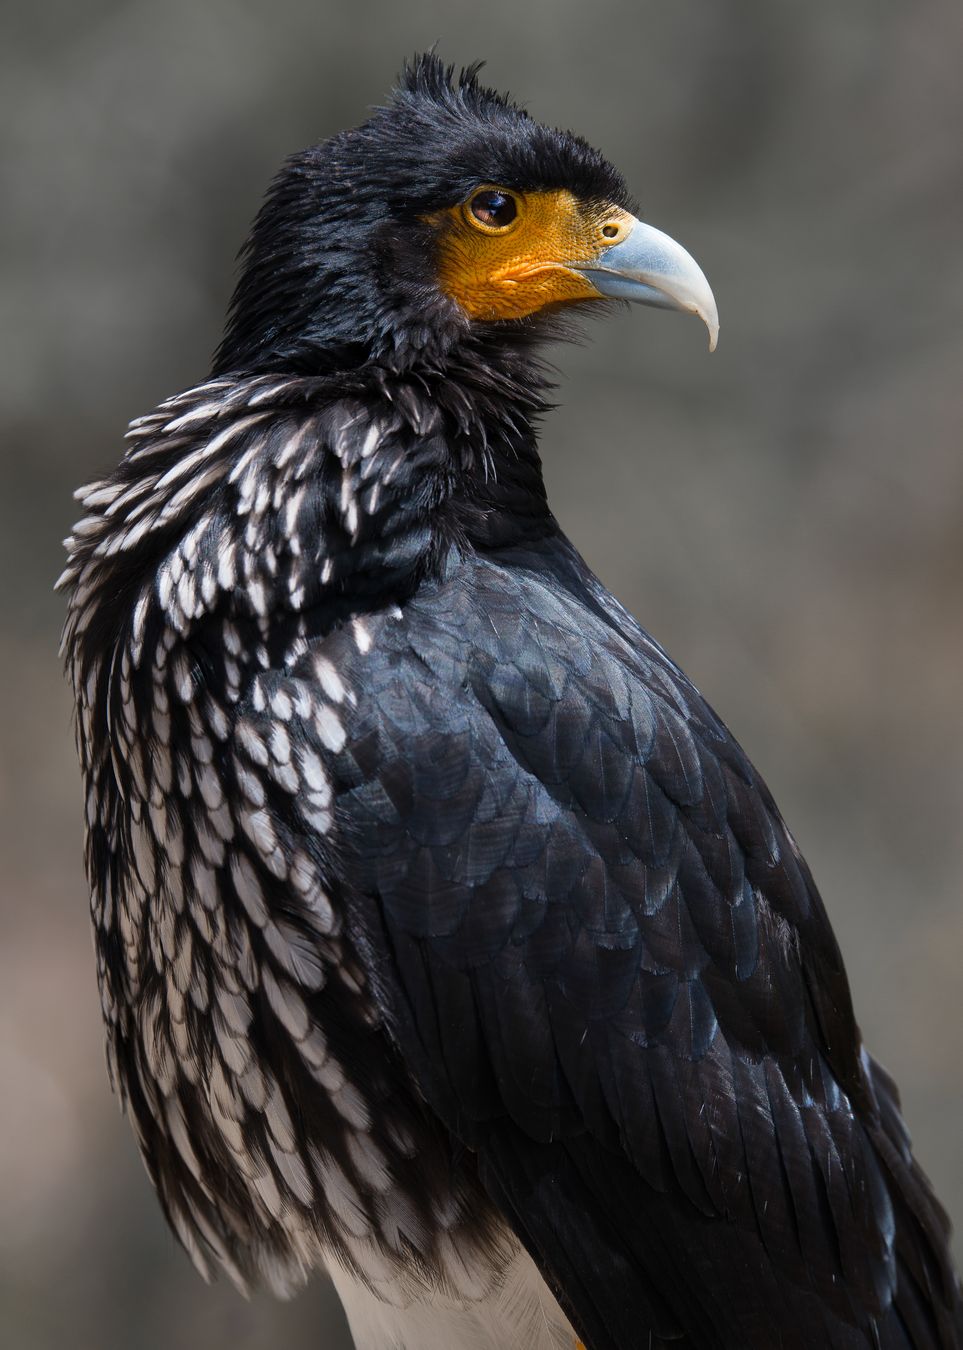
x: 494, y: 209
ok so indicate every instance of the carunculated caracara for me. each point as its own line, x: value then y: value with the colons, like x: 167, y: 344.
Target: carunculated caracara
x: 446, y: 938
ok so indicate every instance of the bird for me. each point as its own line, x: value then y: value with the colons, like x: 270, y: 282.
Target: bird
x: 447, y: 940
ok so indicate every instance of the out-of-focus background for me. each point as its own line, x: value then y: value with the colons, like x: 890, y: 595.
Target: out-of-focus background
x: 786, y: 516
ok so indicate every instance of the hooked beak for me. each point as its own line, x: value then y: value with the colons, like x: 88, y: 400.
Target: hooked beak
x: 650, y: 268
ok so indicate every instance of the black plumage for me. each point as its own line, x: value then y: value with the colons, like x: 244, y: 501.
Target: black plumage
x: 436, y: 912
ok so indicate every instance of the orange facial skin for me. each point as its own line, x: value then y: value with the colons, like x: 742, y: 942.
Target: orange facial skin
x: 506, y: 272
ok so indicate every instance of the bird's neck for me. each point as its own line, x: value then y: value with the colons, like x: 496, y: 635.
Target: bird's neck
x: 269, y: 496
x: 459, y: 464
x: 493, y: 398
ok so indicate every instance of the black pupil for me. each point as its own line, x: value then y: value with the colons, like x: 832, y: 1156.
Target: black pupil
x: 493, y: 208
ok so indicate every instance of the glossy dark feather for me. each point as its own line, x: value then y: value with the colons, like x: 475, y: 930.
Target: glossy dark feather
x: 607, y: 943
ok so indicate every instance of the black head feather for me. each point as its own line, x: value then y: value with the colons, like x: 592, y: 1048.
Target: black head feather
x: 338, y: 268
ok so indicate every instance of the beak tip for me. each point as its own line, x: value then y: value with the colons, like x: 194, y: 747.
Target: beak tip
x: 710, y: 317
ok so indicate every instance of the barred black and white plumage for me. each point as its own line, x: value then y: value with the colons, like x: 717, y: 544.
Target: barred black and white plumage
x: 446, y: 939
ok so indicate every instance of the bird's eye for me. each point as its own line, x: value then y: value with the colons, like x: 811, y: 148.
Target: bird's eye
x: 493, y: 208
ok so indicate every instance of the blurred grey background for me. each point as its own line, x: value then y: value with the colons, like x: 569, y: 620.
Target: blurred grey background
x: 786, y: 516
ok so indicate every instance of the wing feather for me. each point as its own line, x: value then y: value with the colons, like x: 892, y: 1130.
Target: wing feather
x: 610, y: 973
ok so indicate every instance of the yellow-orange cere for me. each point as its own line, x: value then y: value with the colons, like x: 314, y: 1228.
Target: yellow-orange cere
x: 506, y: 271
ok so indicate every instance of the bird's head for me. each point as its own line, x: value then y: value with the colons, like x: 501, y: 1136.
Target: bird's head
x: 449, y: 213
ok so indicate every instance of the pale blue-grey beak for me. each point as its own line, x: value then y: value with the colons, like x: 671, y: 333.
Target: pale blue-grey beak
x: 650, y: 268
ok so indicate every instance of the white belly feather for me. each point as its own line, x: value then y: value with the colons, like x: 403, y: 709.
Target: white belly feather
x: 517, y: 1312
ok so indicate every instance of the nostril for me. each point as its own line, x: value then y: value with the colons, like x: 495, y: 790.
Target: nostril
x: 610, y: 231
